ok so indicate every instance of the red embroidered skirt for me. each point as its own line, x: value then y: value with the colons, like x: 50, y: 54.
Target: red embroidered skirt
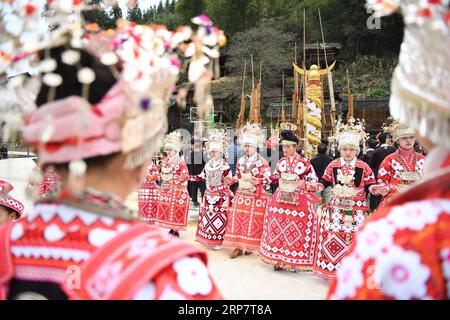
x: 213, y: 218
x: 290, y: 231
x: 173, y: 208
x: 148, y: 197
x: 337, y: 229
x: 245, y: 221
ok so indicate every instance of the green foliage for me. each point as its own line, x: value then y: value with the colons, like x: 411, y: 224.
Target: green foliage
x: 268, y: 29
x: 106, y: 20
x: 370, y: 76
x: 188, y: 9
x: 381, y: 91
x: 273, y: 47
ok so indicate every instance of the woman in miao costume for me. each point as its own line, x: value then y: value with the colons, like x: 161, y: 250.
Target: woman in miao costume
x: 173, y: 204
x: 290, y: 224
x: 10, y: 208
x: 213, y: 216
x: 98, y: 126
x: 403, y: 251
x: 246, y: 216
x: 348, y: 209
x: 402, y: 168
x: 148, y: 194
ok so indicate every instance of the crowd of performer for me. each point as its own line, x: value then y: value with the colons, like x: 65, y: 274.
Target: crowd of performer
x: 299, y: 216
x: 98, y: 112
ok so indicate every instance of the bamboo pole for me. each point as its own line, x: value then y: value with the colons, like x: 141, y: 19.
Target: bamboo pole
x: 241, y: 117
x: 295, y: 94
x: 305, y: 79
x: 351, y: 111
x: 330, y: 79
x: 251, y: 117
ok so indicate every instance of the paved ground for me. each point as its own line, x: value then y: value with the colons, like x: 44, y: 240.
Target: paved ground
x: 248, y: 278
x: 17, y: 172
x: 245, y: 278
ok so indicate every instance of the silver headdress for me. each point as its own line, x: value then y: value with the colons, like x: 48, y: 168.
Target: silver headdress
x: 421, y: 84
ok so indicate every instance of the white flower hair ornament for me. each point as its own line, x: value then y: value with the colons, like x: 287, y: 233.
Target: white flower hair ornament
x: 397, y: 130
x: 145, y: 60
x: 204, y: 54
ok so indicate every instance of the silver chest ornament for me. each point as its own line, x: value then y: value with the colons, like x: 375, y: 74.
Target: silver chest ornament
x: 166, y: 174
x: 214, y: 177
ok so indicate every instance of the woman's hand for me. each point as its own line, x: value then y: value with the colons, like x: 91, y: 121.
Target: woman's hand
x: 311, y: 186
x: 228, y: 180
x: 380, y: 189
x: 301, y: 184
x: 383, y: 190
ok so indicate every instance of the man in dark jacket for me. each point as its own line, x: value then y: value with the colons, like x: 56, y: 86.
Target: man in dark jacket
x: 367, y: 157
x: 381, y: 152
x: 4, y: 152
x: 320, y: 163
x: 195, y: 162
x: 235, y: 152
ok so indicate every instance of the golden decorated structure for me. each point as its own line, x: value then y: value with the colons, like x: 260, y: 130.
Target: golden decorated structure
x: 314, y: 111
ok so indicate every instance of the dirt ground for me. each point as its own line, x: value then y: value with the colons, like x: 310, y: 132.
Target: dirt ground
x: 248, y: 278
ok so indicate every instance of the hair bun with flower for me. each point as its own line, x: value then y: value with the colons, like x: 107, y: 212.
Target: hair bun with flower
x: 289, y: 137
x: 144, y: 61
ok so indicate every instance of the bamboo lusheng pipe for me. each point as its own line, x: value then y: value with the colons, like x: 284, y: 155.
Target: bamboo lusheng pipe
x: 300, y: 129
x: 330, y: 79
x: 258, y: 96
x: 283, y: 114
x: 295, y: 94
x: 251, y: 116
x: 323, y: 117
x: 240, y: 119
x: 351, y: 111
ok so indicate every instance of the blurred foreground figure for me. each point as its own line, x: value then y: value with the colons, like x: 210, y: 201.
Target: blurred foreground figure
x: 403, y: 252
x: 100, y: 117
x: 10, y: 208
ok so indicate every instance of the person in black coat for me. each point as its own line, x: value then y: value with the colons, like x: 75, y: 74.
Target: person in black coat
x: 380, y: 153
x: 321, y: 161
x: 195, y: 162
x: 367, y: 157
x: 4, y: 152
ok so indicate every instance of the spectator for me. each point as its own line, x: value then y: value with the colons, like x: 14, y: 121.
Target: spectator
x: 371, y: 145
x: 235, y: 152
x: 320, y: 163
x: 196, y: 162
x: 4, y: 152
x: 418, y: 148
x: 381, y: 152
